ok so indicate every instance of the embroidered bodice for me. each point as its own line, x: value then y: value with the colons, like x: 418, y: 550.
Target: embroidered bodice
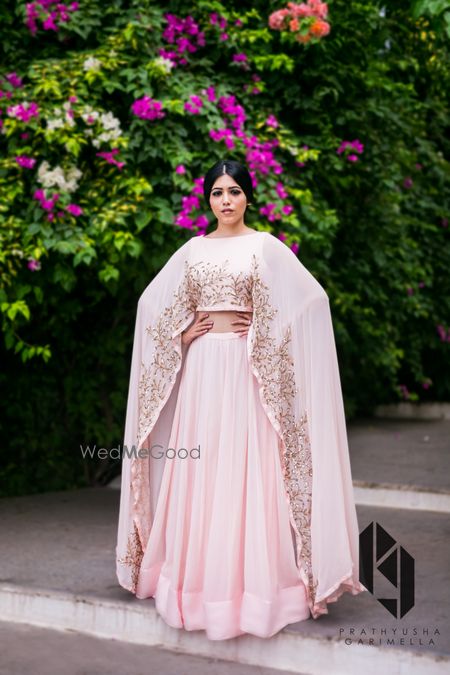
x: 220, y: 272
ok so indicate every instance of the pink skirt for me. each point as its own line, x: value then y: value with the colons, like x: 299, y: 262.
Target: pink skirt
x: 220, y: 555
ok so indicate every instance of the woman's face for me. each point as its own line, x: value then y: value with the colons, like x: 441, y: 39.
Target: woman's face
x: 226, y: 194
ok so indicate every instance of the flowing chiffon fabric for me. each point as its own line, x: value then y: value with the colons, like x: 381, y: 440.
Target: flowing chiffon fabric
x: 220, y: 556
x: 261, y: 528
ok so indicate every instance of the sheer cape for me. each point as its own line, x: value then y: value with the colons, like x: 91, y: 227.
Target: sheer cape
x: 292, y: 352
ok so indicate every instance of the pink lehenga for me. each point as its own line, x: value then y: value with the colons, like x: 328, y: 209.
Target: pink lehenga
x: 237, y: 511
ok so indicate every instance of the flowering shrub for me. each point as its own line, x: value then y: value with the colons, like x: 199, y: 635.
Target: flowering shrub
x: 305, y: 21
x: 110, y: 114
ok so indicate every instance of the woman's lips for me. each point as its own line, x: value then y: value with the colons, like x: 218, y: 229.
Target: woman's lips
x: 228, y: 211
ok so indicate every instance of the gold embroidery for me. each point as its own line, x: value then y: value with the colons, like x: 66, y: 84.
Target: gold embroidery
x: 210, y: 284
x: 207, y: 284
x: 133, y: 556
x: 275, y: 371
x: 202, y: 283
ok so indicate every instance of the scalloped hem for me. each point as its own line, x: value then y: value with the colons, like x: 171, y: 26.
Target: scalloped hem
x: 345, y: 585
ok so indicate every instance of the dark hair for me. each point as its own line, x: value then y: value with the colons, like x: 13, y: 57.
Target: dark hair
x: 234, y: 169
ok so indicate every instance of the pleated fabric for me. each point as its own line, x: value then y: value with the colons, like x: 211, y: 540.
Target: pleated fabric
x: 221, y: 556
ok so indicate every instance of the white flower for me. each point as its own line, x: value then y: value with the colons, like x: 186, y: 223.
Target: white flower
x: 69, y: 120
x: 88, y: 132
x: 165, y: 64
x: 90, y: 115
x: 49, y: 178
x: 96, y: 143
x: 57, y: 112
x: 67, y: 105
x: 55, y: 124
x: 91, y: 63
x: 109, y: 121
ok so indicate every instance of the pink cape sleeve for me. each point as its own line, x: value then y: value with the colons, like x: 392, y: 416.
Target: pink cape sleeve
x: 293, y: 353
x: 164, y: 310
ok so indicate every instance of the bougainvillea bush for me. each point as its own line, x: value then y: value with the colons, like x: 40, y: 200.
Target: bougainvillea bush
x: 110, y: 115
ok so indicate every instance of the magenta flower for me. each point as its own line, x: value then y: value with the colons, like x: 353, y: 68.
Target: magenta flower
x: 14, y: 80
x: 180, y: 169
x: 49, y: 12
x: 33, y: 265
x: 74, y: 209
x: 109, y: 157
x: 408, y: 182
x: 355, y: 145
x: 287, y: 209
x: 352, y: 158
x: 444, y: 222
x: 281, y: 192
x: 272, y: 121
x: 23, y: 111
x: 239, y: 57
x: 294, y: 247
x: 443, y: 333
x: 195, y: 106
x: 25, y: 162
x: 147, y: 108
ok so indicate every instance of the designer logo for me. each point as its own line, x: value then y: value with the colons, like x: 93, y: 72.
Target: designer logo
x: 378, y: 550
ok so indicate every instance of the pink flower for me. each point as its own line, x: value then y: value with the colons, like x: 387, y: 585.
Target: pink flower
x: 33, y: 265
x: 14, y: 80
x: 180, y: 169
x: 352, y: 158
x: 272, y: 121
x: 239, y: 57
x: 74, y: 209
x: 147, y: 108
x: 281, y: 192
x: 25, y: 162
x: 23, y: 111
x: 109, y: 157
x: 294, y: 247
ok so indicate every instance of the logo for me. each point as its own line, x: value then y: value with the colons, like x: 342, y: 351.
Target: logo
x: 378, y: 551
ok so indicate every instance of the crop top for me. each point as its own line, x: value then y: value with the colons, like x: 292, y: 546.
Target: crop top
x: 219, y: 271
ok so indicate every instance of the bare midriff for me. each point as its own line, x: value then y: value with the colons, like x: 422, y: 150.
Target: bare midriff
x: 223, y: 318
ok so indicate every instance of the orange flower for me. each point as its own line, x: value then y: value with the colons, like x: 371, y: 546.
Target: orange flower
x: 319, y: 28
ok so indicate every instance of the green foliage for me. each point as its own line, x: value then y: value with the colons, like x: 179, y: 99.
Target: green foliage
x: 371, y: 230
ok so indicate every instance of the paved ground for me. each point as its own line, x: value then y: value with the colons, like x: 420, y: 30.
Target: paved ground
x: 64, y: 541
x: 50, y: 652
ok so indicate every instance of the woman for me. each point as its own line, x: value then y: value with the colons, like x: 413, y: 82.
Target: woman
x: 237, y: 512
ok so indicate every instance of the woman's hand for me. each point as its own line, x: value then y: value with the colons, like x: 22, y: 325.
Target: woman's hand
x: 244, y: 320
x: 200, y: 326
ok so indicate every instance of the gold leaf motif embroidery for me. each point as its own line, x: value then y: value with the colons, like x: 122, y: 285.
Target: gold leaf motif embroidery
x: 275, y: 371
x: 202, y: 283
x: 208, y: 284
x: 133, y: 556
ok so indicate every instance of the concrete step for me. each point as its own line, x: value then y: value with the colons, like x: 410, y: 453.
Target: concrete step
x: 58, y: 571
x: 52, y: 652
